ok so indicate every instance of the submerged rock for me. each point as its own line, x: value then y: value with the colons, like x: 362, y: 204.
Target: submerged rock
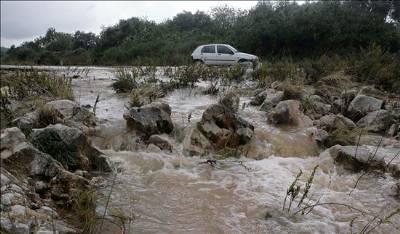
x: 288, y: 112
x: 224, y: 128
x: 154, y: 118
x: 161, y: 141
x: 69, y: 146
x: 361, y: 105
x: 377, y: 121
x: 365, y: 158
x: 333, y: 122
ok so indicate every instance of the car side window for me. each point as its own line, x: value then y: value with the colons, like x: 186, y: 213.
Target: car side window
x: 224, y: 50
x: 208, y: 49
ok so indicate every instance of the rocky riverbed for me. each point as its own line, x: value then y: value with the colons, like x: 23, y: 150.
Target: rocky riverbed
x: 195, y: 163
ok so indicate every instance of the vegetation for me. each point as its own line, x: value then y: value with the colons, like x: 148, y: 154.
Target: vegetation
x: 269, y: 30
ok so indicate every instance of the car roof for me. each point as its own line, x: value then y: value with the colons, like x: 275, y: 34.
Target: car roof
x: 215, y: 44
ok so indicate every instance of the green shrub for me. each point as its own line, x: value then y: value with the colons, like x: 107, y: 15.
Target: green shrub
x: 377, y: 66
x: 127, y: 79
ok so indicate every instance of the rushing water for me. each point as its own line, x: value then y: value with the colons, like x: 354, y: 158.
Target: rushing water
x: 171, y: 193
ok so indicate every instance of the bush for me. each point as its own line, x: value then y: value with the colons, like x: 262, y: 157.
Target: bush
x: 127, y: 79
x: 376, y: 66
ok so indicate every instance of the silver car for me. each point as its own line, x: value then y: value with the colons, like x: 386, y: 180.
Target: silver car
x: 222, y: 54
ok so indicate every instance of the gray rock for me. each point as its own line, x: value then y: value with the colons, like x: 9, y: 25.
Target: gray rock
x: 154, y: 118
x: 4, y: 180
x: 333, y: 122
x: 26, y: 123
x: 21, y: 228
x: 6, y: 199
x: 393, y: 130
x: 319, y: 135
x: 6, y: 224
x: 223, y: 127
x: 271, y: 100
x: 377, y: 121
x: 161, y: 141
x: 366, y: 158
x: 288, y: 113
x: 70, y: 147
x: 18, y: 210
x: 65, y: 107
x: 195, y: 143
x: 231, y: 101
x: 361, y: 105
x: 12, y: 139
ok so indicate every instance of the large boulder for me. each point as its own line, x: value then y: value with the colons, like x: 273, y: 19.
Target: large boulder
x: 195, y: 143
x: 271, y: 100
x: 224, y: 128
x: 154, y: 118
x: 65, y: 107
x: 69, y: 146
x: 361, y: 105
x: 358, y: 158
x: 288, y: 113
x: 333, y: 122
x: 377, y: 121
x: 22, y: 158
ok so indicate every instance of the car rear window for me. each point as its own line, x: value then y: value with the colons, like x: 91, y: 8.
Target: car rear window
x: 224, y: 50
x: 208, y: 49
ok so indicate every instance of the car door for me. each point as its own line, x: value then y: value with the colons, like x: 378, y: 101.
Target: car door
x: 209, y: 54
x: 225, y: 56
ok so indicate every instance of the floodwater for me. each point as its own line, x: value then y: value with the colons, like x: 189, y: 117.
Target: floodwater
x: 171, y: 193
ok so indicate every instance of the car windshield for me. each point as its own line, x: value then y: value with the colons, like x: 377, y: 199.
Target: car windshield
x: 233, y: 49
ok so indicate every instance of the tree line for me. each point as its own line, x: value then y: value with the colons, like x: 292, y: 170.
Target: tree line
x: 269, y: 30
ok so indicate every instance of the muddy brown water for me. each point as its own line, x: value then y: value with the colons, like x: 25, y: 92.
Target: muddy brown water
x: 171, y: 193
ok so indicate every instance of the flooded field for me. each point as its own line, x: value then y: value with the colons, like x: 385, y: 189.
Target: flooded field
x: 167, y: 192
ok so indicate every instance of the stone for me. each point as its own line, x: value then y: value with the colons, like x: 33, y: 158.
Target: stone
x: 377, y: 121
x: 231, y: 101
x: 161, y: 141
x: 333, y: 122
x: 26, y: 123
x: 70, y: 147
x: 21, y: 228
x: 288, y: 113
x: 65, y: 107
x: 361, y: 105
x: 18, y: 210
x: 6, y: 224
x: 154, y: 118
x: 223, y: 127
x: 271, y: 100
x: 393, y: 130
x: 4, y: 180
x: 12, y: 139
x: 366, y: 158
x: 319, y: 135
x: 195, y: 143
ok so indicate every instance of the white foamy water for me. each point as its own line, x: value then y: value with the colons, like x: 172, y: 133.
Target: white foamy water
x: 171, y: 193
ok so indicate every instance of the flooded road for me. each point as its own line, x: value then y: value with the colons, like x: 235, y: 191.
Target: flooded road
x: 171, y: 193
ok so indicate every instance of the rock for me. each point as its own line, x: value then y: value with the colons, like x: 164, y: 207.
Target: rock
x: 84, y: 116
x: 231, y: 101
x: 366, y: 158
x: 315, y: 107
x: 65, y: 107
x: 259, y: 98
x: 154, y: 118
x: 224, y: 128
x: 11, y: 139
x: 26, y: 123
x: 393, y: 130
x: 40, y: 187
x: 21, y: 228
x: 288, y: 112
x: 161, y: 141
x: 276, y: 85
x: 70, y: 147
x: 371, y: 91
x: 195, y: 143
x: 361, y: 105
x: 4, y: 180
x: 333, y: 122
x: 6, y: 224
x: 319, y: 135
x: 18, y: 210
x: 377, y: 121
x: 271, y: 100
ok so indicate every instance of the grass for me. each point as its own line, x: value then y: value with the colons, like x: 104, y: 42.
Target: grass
x: 84, y: 206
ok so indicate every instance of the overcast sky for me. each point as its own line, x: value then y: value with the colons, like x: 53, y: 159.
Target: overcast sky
x: 26, y: 20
